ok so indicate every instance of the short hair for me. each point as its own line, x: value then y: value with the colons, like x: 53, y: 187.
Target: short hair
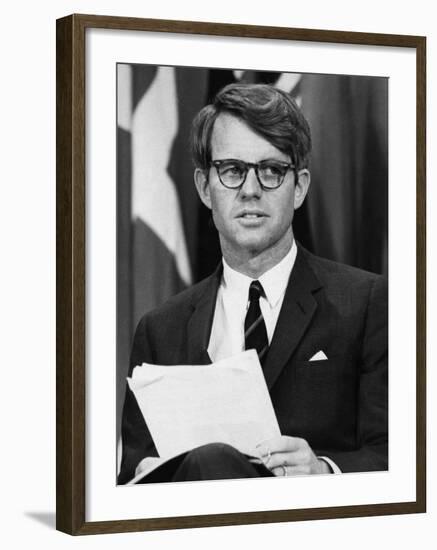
x: 268, y: 111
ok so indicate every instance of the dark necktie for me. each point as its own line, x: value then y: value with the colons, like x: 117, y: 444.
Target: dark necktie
x: 255, y: 333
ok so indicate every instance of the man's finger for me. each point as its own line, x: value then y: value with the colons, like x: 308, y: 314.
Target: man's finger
x: 290, y: 471
x: 280, y: 444
x: 286, y: 459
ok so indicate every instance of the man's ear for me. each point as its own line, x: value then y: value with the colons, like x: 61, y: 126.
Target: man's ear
x: 301, y: 187
x: 202, y: 186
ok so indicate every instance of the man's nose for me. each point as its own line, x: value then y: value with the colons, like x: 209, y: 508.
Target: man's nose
x: 251, y: 186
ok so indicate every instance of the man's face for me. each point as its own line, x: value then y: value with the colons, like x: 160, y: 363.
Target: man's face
x: 250, y: 221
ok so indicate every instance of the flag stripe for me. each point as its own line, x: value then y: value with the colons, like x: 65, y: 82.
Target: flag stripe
x: 154, y: 198
x: 142, y: 78
x: 155, y: 275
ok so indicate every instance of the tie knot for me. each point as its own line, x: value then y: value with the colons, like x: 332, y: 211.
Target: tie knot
x: 255, y: 291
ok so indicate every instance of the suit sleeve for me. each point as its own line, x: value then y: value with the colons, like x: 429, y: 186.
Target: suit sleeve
x: 136, y: 438
x: 372, y: 417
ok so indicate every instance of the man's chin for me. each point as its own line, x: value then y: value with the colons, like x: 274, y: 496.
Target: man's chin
x: 251, y: 243
x: 252, y: 246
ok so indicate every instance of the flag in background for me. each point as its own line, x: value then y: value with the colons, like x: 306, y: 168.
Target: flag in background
x: 165, y: 237
x: 160, y: 264
x: 157, y: 209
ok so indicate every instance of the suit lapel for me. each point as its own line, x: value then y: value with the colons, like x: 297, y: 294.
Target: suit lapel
x: 200, y: 322
x: 297, y: 310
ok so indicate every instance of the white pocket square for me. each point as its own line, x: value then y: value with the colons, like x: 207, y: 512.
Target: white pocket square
x: 319, y: 356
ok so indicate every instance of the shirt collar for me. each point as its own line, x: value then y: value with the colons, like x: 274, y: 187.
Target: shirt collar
x: 274, y: 281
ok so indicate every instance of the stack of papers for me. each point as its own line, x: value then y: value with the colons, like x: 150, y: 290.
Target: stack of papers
x: 186, y: 406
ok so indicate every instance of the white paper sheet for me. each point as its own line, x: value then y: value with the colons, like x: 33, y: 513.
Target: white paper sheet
x: 185, y: 406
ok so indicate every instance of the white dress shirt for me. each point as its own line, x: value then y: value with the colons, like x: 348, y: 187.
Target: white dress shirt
x: 227, y: 333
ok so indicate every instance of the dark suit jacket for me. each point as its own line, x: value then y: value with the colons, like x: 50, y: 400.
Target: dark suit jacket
x: 338, y: 405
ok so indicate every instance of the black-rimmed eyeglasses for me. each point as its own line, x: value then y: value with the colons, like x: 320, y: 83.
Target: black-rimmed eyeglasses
x: 270, y: 174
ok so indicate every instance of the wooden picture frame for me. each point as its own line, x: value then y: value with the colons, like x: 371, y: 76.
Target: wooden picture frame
x: 71, y: 273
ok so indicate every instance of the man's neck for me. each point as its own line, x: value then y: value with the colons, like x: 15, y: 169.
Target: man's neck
x: 254, y: 265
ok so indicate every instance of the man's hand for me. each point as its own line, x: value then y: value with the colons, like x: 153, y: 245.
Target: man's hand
x: 290, y: 456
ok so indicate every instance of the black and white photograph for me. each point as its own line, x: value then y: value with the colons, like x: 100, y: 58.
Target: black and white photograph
x: 241, y: 274
x: 252, y: 274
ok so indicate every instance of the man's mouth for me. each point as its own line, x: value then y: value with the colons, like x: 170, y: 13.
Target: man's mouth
x: 251, y: 215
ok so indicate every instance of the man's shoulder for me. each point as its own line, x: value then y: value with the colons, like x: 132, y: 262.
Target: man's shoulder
x: 336, y: 272
x: 182, y: 304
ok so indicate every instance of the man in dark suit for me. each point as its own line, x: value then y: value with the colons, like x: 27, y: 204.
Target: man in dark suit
x: 320, y: 328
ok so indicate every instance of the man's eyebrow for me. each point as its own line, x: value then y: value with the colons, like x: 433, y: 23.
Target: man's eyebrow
x: 280, y: 160
x: 276, y: 160
x: 267, y: 159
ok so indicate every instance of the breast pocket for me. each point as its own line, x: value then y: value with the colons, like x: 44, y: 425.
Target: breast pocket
x: 325, y: 366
